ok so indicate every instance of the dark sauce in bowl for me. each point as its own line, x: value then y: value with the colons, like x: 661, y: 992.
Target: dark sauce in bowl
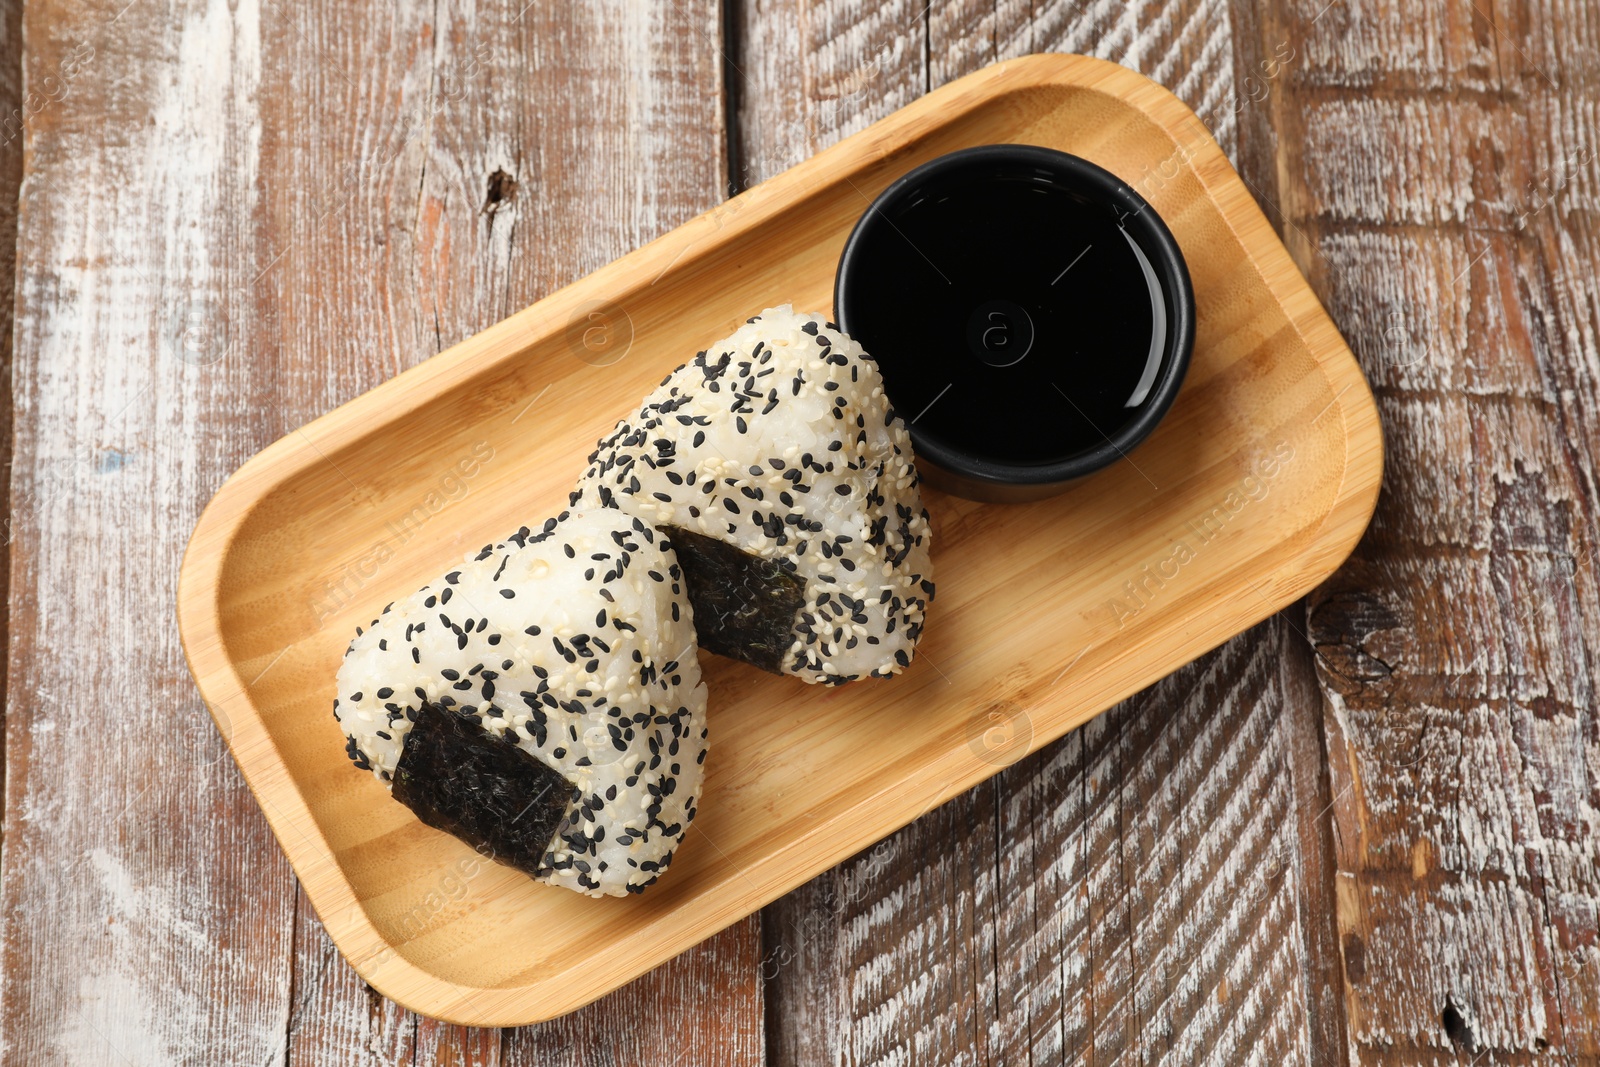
x: 1031, y: 321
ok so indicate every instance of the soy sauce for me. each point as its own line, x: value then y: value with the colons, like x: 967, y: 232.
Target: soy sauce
x: 1012, y: 317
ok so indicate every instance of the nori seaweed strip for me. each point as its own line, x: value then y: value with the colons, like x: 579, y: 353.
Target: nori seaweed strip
x: 744, y: 605
x: 504, y: 802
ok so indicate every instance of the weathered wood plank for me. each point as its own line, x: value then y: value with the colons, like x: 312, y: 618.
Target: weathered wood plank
x: 809, y: 74
x: 1150, y: 887
x: 1440, y: 190
x: 289, y: 207
x: 147, y: 911
x: 15, y: 111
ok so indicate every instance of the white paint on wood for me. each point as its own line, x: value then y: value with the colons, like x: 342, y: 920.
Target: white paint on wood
x: 1445, y: 177
x: 136, y: 931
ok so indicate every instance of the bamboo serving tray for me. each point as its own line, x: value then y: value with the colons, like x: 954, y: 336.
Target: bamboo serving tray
x: 1255, y: 487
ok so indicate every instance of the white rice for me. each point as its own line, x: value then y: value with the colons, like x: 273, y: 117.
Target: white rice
x: 780, y: 441
x: 578, y: 644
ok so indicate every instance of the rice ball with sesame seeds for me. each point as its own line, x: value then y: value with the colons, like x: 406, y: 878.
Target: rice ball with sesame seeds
x: 775, y: 463
x: 542, y: 702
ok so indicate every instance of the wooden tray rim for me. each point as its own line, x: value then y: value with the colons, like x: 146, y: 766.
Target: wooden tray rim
x: 220, y: 683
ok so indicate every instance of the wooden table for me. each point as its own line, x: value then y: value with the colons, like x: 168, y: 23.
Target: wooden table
x: 1366, y: 830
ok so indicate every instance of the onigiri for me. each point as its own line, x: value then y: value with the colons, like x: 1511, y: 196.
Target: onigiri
x: 786, y: 482
x: 542, y: 701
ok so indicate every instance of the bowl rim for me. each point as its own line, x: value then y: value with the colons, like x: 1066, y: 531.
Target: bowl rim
x: 1143, y: 224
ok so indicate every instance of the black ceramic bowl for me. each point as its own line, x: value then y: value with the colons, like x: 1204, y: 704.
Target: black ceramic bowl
x: 1032, y: 316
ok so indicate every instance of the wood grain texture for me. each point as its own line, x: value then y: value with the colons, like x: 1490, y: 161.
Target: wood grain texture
x: 1029, y: 938
x: 288, y: 206
x: 15, y: 111
x: 147, y: 909
x: 1440, y: 190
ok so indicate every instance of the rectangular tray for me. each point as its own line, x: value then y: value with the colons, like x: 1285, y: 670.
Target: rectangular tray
x: 1258, y: 483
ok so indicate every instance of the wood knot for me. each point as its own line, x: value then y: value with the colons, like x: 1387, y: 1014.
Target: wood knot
x: 1456, y: 1027
x: 1352, y: 631
x: 502, y: 190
